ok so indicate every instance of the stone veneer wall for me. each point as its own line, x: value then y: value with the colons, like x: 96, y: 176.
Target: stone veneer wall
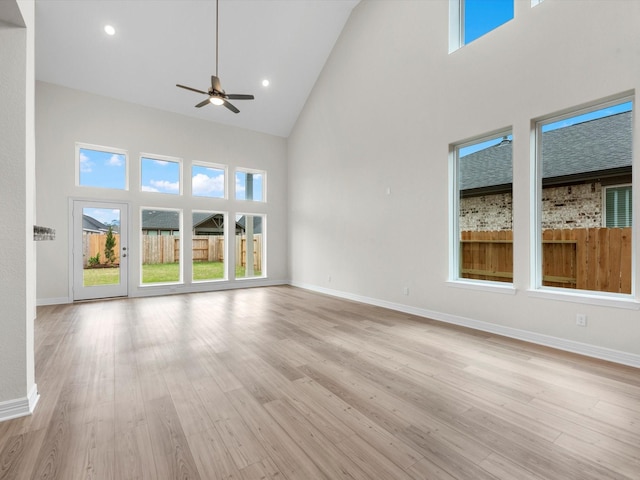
x: 575, y: 206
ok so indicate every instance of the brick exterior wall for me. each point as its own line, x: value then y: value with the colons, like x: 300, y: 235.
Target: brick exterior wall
x: 575, y: 206
x: 486, y: 213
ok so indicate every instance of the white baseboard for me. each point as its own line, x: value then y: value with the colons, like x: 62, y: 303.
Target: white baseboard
x: 594, y: 351
x: 40, y: 302
x: 19, y: 407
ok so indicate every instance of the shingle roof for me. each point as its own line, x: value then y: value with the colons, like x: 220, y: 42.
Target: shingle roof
x: 93, y: 225
x: 160, y: 220
x: 169, y: 220
x: 583, y: 148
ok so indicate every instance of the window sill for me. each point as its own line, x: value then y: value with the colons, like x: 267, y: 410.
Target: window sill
x: 583, y: 297
x: 494, y: 287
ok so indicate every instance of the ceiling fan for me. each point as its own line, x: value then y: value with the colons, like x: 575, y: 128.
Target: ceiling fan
x: 216, y: 94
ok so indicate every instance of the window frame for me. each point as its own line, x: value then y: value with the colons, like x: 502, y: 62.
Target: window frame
x: 163, y: 158
x: 536, y: 287
x: 457, y: 22
x: 263, y: 252
x: 216, y: 166
x: 159, y: 233
x: 225, y: 248
x: 252, y: 171
x: 455, y: 277
x: 104, y: 149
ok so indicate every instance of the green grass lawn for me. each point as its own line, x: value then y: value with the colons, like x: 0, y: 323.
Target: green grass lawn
x: 101, y: 276
x: 161, y: 273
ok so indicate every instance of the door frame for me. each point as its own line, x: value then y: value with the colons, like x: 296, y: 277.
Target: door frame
x: 80, y: 203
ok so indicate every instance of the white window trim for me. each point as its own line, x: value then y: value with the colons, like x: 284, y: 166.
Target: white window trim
x: 253, y: 171
x: 454, y: 209
x: 456, y: 25
x: 264, y: 245
x: 102, y: 148
x: 224, y: 168
x: 181, y: 240
x: 164, y: 158
x: 536, y: 289
x: 225, y: 216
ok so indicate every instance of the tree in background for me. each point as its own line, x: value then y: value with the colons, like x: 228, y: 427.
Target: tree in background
x: 109, y: 243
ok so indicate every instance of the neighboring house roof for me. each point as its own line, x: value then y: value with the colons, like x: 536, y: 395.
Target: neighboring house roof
x: 582, y: 149
x: 90, y: 224
x: 169, y: 220
x: 257, y: 223
x: 160, y: 220
x: 199, y: 218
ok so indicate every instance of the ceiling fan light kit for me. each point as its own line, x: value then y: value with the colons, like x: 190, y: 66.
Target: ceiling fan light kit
x: 217, y: 95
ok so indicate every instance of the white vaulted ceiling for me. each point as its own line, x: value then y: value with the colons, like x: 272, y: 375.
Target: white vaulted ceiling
x: 159, y: 43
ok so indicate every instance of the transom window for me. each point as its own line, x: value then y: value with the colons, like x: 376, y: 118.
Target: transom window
x: 102, y: 167
x: 471, y: 19
x: 160, y: 174
x: 250, y: 185
x: 207, y: 180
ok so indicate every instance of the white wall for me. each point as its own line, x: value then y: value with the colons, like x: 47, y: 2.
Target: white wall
x: 381, y: 118
x: 18, y: 392
x: 65, y: 116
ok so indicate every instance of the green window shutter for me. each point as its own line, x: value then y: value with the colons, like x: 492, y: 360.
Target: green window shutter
x: 618, y: 207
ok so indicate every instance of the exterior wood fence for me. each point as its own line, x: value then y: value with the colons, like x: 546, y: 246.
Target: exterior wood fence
x: 166, y: 249
x: 597, y: 259
x: 93, y: 244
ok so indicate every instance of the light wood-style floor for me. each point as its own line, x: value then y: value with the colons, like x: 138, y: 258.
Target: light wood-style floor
x: 282, y: 383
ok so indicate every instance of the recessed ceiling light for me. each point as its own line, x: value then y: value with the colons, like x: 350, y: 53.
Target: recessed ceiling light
x: 109, y: 30
x: 265, y: 83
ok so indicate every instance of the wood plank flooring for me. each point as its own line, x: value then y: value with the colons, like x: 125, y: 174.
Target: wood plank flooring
x: 282, y: 383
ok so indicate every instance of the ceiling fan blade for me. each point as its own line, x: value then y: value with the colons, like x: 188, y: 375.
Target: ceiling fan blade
x: 215, y: 83
x: 192, y: 89
x: 231, y: 107
x: 239, y: 96
x: 203, y: 103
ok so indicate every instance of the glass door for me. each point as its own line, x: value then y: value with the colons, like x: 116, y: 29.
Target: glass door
x: 100, y: 255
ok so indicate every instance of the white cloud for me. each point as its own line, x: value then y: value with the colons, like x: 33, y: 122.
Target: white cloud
x: 147, y: 188
x: 85, y: 163
x: 239, y: 186
x: 165, y: 186
x: 203, y: 184
x: 115, y: 160
x: 160, y: 162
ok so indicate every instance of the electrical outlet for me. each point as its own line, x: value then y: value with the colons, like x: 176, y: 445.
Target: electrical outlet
x: 329, y: 279
x: 581, y: 320
x: 405, y: 290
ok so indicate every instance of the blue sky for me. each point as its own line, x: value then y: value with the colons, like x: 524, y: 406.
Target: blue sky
x: 108, y: 170
x: 207, y: 181
x: 482, y: 145
x: 241, y: 179
x: 108, y: 216
x: 603, y: 112
x: 102, y: 169
x: 161, y: 176
x: 482, y: 16
x: 567, y: 122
